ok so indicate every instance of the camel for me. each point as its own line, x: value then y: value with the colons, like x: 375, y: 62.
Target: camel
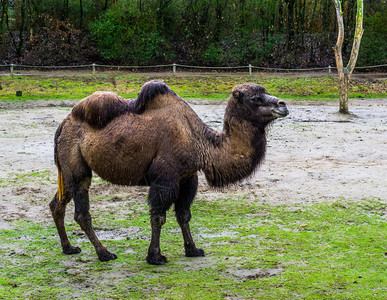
x: 156, y: 140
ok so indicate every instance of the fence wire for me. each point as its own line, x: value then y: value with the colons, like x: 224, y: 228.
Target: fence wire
x: 174, y: 67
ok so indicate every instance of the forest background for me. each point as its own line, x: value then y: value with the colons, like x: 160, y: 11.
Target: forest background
x: 267, y: 33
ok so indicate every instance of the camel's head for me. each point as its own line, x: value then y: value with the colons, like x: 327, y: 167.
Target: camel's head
x: 256, y: 105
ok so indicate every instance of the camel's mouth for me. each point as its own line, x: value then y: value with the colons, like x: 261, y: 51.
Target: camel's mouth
x: 280, y: 112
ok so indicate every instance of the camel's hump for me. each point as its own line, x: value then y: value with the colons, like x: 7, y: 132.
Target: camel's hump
x: 100, y: 108
x: 149, y: 91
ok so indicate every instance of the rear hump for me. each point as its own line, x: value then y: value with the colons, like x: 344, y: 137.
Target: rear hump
x: 100, y: 108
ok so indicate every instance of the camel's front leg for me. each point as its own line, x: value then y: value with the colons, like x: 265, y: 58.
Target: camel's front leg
x: 162, y: 194
x: 154, y: 252
x: 188, y: 188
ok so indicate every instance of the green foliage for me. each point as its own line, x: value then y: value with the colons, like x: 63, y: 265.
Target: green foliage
x: 241, y: 50
x: 278, y: 33
x: 212, y: 55
x: 373, y: 48
x: 124, y: 34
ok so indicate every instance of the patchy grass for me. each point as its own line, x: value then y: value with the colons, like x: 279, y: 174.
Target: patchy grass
x: 321, y: 251
x: 210, y: 87
x: 21, y: 178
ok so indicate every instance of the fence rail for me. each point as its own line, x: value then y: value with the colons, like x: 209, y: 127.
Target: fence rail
x: 174, y: 66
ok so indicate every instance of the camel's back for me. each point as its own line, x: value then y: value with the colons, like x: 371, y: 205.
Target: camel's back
x: 100, y: 108
x: 166, y: 119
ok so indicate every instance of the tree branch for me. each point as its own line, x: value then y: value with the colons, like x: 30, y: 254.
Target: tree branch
x: 357, y: 39
x: 340, y: 38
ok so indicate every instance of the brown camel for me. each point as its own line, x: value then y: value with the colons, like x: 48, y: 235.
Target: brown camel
x: 159, y: 141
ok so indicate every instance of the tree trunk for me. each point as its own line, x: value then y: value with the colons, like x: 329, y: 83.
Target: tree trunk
x: 343, y: 92
x: 220, y: 6
x: 345, y: 73
x: 80, y: 14
x: 65, y: 13
x: 290, y: 24
x: 4, y: 17
x: 21, y: 29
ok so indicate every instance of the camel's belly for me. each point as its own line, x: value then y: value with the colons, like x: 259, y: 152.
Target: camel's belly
x: 130, y: 173
x: 118, y: 159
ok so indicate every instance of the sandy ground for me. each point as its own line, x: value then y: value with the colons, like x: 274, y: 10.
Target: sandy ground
x: 314, y: 154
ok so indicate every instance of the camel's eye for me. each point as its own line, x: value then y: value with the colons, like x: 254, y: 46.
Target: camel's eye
x: 257, y: 99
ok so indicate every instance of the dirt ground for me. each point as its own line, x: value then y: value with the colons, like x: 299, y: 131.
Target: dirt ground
x: 313, y: 155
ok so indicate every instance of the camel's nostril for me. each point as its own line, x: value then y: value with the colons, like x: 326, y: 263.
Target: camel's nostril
x: 281, y: 103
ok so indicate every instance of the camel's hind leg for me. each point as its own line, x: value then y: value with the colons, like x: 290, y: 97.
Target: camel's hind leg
x: 82, y: 216
x: 188, y: 188
x: 58, y: 210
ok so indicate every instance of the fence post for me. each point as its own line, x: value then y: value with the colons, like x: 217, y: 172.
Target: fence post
x: 174, y: 69
x: 93, y: 69
x: 11, y: 69
x: 250, y: 70
x: 329, y: 70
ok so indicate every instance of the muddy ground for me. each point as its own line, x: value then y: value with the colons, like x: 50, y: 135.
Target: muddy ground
x: 313, y: 155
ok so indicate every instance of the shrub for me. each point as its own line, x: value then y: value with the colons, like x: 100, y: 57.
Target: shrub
x: 125, y: 35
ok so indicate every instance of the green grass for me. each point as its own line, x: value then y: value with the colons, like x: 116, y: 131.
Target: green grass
x: 321, y: 251
x: 211, y: 87
x: 15, y: 179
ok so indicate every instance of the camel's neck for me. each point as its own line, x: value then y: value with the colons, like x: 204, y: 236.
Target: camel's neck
x: 240, y: 151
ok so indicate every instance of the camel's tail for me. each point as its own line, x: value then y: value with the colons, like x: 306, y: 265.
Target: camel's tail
x: 60, y: 174
x: 60, y: 181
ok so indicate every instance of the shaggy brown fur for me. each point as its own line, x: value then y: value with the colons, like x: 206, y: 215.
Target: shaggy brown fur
x: 100, y: 108
x: 156, y: 140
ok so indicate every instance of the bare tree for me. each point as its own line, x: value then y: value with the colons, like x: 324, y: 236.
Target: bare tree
x: 4, y: 19
x: 345, y: 72
x: 80, y: 14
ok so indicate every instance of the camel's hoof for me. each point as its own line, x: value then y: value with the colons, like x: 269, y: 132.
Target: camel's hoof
x: 156, y: 259
x: 71, y: 250
x: 106, y: 256
x: 194, y: 252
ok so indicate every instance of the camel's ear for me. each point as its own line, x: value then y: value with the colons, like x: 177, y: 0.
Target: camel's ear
x: 237, y: 94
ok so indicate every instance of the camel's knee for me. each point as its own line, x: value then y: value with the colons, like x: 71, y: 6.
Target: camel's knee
x: 57, y: 205
x: 53, y: 204
x: 83, y: 219
x: 85, y: 183
x: 57, y: 208
x: 183, y: 216
x: 158, y: 220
